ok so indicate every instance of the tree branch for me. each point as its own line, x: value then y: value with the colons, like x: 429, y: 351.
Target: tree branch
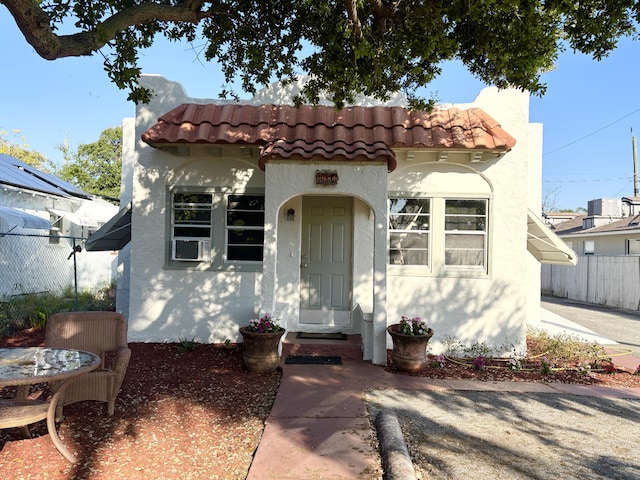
x: 352, y: 12
x: 35, y: 25
x: 381, y: 13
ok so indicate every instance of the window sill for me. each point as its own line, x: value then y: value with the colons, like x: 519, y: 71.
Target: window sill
x: 417, y: 271
x: 209, y: 267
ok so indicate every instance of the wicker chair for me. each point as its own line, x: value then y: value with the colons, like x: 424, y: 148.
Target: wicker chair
x: 102, y: 333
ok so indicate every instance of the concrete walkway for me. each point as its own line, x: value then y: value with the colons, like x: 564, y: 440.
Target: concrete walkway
x: 319, y: 427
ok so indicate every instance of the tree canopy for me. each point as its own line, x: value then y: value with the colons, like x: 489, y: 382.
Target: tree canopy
x: 18, y: 147
x: 96, y: 167
x: 348, y: 47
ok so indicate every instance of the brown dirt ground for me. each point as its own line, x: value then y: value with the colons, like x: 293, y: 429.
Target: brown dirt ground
x: 196, y: 414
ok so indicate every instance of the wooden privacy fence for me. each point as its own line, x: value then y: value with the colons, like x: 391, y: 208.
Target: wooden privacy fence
x: 613, y: 281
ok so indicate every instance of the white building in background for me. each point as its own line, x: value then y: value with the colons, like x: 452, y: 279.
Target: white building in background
x: 42, y: 218
x: 611, y: 226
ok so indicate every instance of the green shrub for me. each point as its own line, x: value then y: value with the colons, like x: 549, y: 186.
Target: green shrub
x: 32, y: 310
x: 185, y: 345
x: 563, y: 350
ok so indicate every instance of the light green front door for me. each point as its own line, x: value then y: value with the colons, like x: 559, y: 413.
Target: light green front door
x: 325, y: 264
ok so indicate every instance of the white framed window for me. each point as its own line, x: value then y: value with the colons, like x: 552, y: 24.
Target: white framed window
x: 633, y: 246
x: 191, y: 226
x: 56, y: 229
x: 589, y: 247
x: 465, y: 231
x: 244, y: 228
x: 219, y: 228
x: 409, y: 234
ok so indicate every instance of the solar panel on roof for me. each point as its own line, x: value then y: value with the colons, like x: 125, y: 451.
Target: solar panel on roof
x: 18, y: 174
x: 58, y: 182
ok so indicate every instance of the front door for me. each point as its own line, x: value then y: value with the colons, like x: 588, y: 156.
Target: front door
x: 325, y: 264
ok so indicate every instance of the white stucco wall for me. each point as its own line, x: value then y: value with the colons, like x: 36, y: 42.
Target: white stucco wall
x: 168, y: 303
x: 534, y: 180
x: 123, y: 267
x: 171, y: 303
x: 492, y: 308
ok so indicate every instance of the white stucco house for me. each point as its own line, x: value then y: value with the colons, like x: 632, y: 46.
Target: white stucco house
x: 333, y: 220
x: 42, y: 219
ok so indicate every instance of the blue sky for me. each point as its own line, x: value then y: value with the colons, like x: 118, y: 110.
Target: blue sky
x: 588, y: 111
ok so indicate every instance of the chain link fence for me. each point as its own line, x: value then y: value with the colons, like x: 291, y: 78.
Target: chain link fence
x: 45, y: 274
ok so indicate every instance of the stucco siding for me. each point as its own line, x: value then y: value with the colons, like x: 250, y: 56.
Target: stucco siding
x: 169, y: 302
x: 209, y: 302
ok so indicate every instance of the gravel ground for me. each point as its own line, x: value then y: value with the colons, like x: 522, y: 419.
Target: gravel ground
x: 489, y: 435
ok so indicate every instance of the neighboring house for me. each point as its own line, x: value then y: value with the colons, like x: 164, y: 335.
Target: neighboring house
x: 610, y: 227
x: 333, y: 220
x: 554, y: 218
x: 42, y: 219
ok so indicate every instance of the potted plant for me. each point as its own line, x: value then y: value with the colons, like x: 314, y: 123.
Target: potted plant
x: 410, y: 338
x: 261, y: 340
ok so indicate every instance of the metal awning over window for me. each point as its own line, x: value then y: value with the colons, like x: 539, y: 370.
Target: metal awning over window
x: 114, y: 234
x: 18, y: 218
x: 75, y: 218
x: 545, y: 245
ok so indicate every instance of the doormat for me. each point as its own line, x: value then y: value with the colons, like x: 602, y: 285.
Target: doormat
x: 312, y: 360
x: 321, y: 336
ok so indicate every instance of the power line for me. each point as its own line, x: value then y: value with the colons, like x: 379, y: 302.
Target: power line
x: 592, y: 133
x: 626, y: 177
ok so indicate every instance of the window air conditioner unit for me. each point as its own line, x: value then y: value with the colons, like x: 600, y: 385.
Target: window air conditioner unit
x: 190, y: 250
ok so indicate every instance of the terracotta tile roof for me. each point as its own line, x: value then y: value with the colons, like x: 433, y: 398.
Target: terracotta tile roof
x: 353, y: 133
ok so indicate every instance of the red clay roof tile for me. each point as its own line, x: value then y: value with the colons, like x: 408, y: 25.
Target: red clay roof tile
x: 353, y: 133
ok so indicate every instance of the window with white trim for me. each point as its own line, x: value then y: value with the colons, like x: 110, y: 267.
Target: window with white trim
x: 633, y: 246
x: 465, y: 233
x: 216, y: 228
x: 56, y: 229
x: 244, y: 228
x: 409, y: 220
x: 191, y: 226
x: 589, y: 247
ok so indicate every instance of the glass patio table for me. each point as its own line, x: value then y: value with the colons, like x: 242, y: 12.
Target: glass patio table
x: 22, y: 367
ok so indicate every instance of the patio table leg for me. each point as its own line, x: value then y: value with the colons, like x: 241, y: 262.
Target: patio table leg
x: 51, y: 422
x: 22, y: 391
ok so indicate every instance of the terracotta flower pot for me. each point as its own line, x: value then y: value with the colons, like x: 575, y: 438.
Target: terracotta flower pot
x: 409, y: 352
x: 261, y: 350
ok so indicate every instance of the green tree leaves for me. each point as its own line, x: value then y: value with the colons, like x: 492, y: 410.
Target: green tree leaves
x: 96, y: 167
x: 348, y: 47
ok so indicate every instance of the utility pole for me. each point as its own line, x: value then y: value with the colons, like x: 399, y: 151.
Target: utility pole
x: 635, y: 164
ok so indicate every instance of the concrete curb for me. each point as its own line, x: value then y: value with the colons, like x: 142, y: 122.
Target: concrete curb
x: 393, y: 450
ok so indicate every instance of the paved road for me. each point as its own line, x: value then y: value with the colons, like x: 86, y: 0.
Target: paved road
x: 621, y: 326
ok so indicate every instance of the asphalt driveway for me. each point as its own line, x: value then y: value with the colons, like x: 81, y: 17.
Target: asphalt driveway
x: 476, y: 435
x: 621, y: 326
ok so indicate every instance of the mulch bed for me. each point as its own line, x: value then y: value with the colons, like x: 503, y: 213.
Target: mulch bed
x: 197, y: 414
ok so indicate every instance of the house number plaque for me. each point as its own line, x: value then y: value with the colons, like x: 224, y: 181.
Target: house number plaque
x: 326, y: 177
